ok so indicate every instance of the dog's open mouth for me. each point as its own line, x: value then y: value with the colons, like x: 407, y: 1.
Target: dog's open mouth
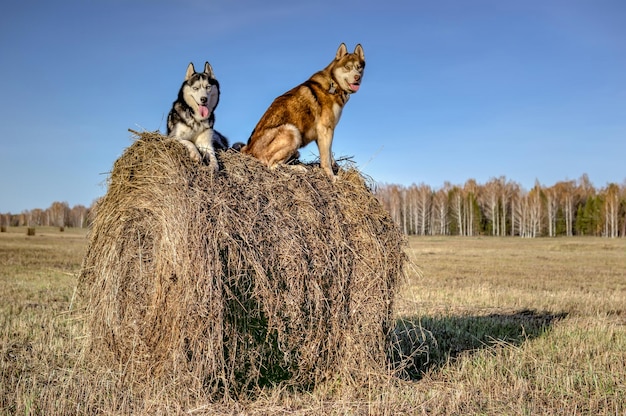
x: 203, y: 110
x: 355, y: 87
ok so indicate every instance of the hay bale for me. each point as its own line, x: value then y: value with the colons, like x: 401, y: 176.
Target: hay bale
x: 240, y: 279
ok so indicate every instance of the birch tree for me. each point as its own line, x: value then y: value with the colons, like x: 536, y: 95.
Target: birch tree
x: 568, y: 200
x: 440, y: 221
x: 78, y: 216
x: 509, y: 191
x: 456, y: 208
x: 552, y: 208
x: 59, y: 212
x: 490, y: 203
x: 422, y: 197
x: 471, y: 209
x: 535, y: 197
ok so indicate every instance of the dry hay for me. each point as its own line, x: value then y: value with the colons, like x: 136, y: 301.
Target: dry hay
x: 223, y: 283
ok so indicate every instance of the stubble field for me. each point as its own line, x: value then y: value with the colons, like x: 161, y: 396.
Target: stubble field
x: 486, y: 326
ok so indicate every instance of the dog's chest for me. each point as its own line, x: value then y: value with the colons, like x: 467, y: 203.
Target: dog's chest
x: 337, y: 109
x: 191, y: 129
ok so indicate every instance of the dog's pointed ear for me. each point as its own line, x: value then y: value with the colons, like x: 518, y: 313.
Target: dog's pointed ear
x: 190, y: 71
x: 341, y: 51
x: 358, y: 50
x: 209, y: 70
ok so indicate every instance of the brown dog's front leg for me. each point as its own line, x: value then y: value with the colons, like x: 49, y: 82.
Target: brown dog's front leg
x: 324, y: 144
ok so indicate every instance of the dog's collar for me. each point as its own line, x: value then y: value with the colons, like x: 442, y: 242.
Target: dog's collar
x: 345, y: 96
x: 333, y: 90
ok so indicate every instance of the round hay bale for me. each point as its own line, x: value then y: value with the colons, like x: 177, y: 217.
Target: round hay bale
x: 248, y: 277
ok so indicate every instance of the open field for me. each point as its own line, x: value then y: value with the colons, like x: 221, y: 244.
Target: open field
x: 485, y: 326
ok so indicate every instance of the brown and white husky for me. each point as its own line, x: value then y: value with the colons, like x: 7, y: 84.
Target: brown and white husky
x: 308, y: 113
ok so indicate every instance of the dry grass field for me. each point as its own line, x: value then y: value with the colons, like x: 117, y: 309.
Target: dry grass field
x: 485, y: 326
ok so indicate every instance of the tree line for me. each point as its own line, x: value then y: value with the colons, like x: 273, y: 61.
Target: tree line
x: 502, y: 207
x: 59, y: 214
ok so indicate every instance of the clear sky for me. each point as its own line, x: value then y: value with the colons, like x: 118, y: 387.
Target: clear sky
x: 453, y: 90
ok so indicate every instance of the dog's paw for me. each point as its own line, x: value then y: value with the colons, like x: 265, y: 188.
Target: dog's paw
x: 195, y: 155
x: 298, y: 168
x: 214, y: 165
x: 211, y: 160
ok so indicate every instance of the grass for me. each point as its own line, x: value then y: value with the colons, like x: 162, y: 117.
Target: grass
x: 485, y: 326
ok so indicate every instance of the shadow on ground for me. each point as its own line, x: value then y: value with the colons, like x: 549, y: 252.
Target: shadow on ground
x: 422, y: 343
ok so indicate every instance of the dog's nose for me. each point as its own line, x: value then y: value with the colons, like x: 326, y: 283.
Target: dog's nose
x: 203, y: 100
x: 357, y: 77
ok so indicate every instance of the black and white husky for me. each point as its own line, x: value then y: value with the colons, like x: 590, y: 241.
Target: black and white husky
x: 192, y: 116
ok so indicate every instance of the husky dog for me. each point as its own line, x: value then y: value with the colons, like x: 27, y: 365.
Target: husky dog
x: 308, y: 113
x: 192, y: 116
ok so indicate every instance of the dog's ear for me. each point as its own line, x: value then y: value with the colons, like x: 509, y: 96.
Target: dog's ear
x: 341, y: 51
x: 358, y: 50
x: 190, y: 71
x: 209, y: 70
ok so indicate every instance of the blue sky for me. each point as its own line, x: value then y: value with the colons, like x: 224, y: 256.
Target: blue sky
x: 453, y: 90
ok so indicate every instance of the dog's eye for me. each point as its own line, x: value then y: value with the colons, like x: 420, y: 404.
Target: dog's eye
x: 349, y: 67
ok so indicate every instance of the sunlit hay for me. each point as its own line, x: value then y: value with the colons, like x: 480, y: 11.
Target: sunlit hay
x: 251, y: 277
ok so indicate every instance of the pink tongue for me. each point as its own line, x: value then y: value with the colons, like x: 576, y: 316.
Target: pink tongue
x: 354, y: 87
x: 204, y: 111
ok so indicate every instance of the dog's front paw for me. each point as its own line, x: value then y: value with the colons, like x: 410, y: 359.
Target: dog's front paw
x: 195, y: 155
x: 298, y: 168
x: 211, y: 160
x: 214, y: 165
x: 329, y: 172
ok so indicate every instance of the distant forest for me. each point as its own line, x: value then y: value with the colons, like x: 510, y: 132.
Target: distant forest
x: 503, y: 208
x: 499, y: 207
x: 59, y: 214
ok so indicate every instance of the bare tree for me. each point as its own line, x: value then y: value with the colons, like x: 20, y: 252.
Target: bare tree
x: 611, y: 208
x: 470, y: 191
x: 391, y: 198
x: 78, y: 216
x: 421, y: 197
x: 404, y: 210
x: 566, y: 192
x: 490, y: 200
x: 622, y: 213
x: 510, y: 190
x: 37, y: 217
x: 520, y: 213
x: 552, y: 208
x: 440, y: 221
x: 456, y: 207
x: 59, y: 214
x: 535, y: 197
